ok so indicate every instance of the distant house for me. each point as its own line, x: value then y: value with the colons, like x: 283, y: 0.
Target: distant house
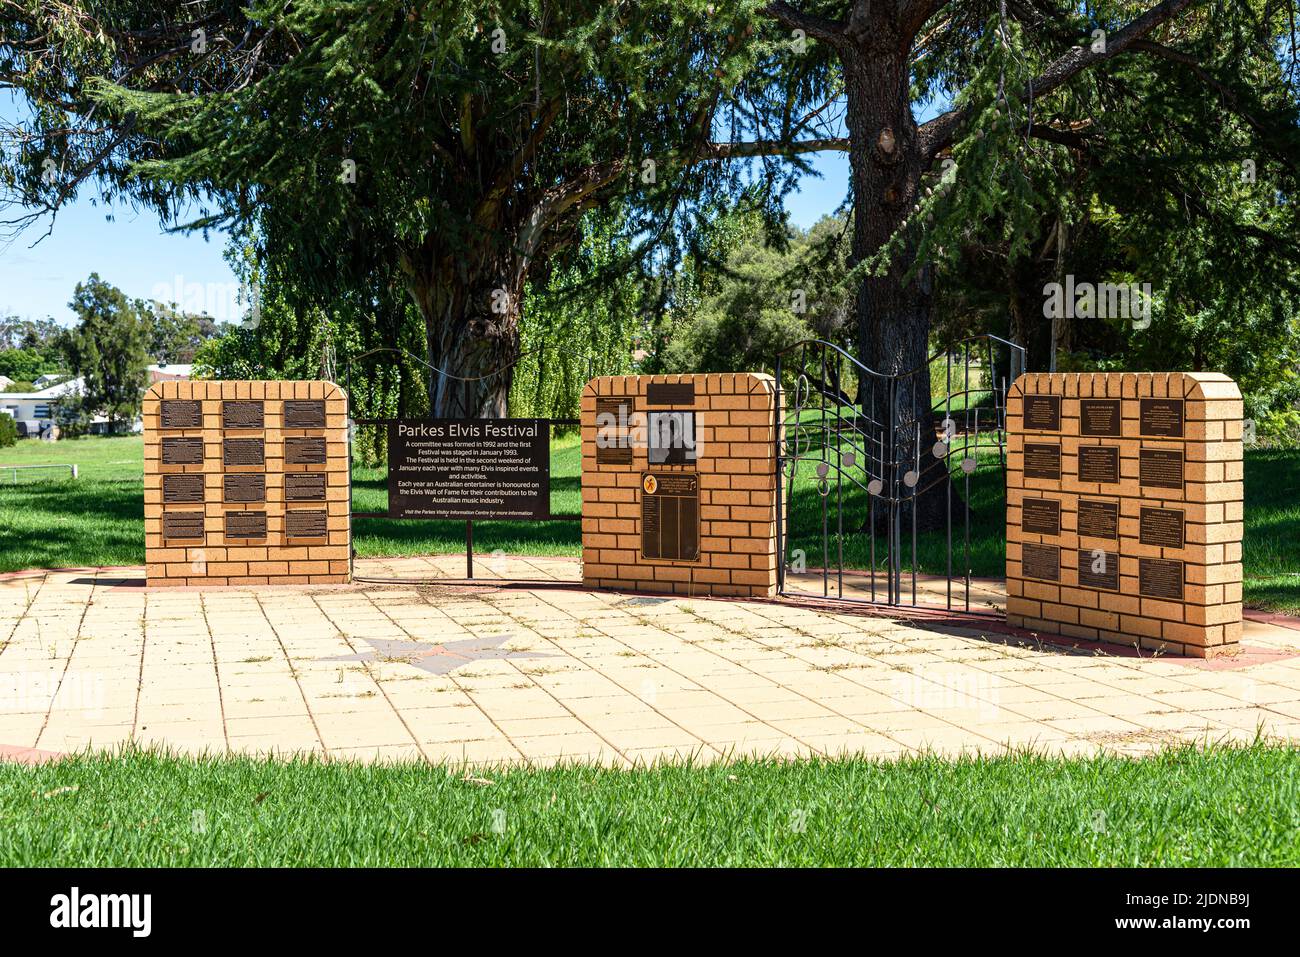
x: 36, y: 413
x: 49, y: 379
x: 169, y: 372
x: 5, y: 382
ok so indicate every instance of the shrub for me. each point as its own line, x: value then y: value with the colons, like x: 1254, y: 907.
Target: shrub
x: 8, y: 431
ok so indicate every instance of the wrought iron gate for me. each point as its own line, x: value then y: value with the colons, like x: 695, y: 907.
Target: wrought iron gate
x: 894, y: 460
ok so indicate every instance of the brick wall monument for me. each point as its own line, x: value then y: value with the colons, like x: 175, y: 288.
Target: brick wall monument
x: 1124, y: 508
x: 695, y: 516
x: 246, y: 483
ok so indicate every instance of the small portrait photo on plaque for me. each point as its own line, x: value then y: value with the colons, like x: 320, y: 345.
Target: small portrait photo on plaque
x: 671, y: 437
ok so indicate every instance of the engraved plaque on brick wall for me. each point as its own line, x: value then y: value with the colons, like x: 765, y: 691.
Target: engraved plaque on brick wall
x: 185, y: 489
x: 1041, y: 516
x: 299, y: 523
x: 1099, y: 463
x: 304, y: 450
x: 1161, y: 526
x: 243, y: 452
x: 1040, y: 561
x: 1098, y: 519
x: 245, y: 525
x: 304, y: 487
x: 182, y: 525
x: 670, y: 516
x: 1042, y: 461
x: 1160, y: 468
x: 1043, y: 413
x: 613, y: 446
x: 670, y: 393
x: 1100, y: 417
x: 1161, y: 417
x: 178, y: 450
x: 1099, y: 569
x: 241, y: 414
x: 181, y: 414
x: 304, y: 414
x: 1160, y: 578
x: 244, y: 487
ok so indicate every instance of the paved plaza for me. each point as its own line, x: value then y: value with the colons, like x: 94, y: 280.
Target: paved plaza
x: 538, y: 670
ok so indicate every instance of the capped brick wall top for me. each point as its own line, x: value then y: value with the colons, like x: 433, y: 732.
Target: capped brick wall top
x: 701, y: 522
x: 246, y: 483
x: 1124, y: 508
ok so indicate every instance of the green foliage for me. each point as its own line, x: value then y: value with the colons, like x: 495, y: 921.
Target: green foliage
x: 29, y: 349
x: 108, y: 349
x: 8, y: 431
x: 176, y: 335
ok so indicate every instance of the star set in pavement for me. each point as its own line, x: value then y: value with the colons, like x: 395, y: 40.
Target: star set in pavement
x: 439, y: 659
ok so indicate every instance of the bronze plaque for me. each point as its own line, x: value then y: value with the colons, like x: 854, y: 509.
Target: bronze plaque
x: 182, y: 414
x: 182, y: 525
x: 1041, y: 516
x: 1100, y: 417
x: 177, y: 450
x: 304, y: 487
x: 241, y: 414
x: 1099, y: 463
x: 613, y: 445
x: 304, y: 450
x: 1040, y: 561
x: 1161, y: 417
x: 1160, y: 578
x: 1043, y: 413
x: 670, y: 393
x: 1099, y: 519
x: 305, y: 524
x: 304, y: 414
x: 1161, y: 526
x: 186, y: 488
x: 245, y: 487
x: 670, y: 516
x: 1099, y: 569
x: 1042, y: 461
x: 1160, y: 468
x: 245, y: 525
x: 243, y: 451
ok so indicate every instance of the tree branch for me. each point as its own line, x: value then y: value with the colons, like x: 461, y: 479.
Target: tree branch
x: 820, y: 28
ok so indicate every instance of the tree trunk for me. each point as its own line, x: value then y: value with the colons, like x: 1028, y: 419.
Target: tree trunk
x: 893, y: 309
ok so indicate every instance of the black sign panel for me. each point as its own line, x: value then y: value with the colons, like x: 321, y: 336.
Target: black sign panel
x: 182, y: 451
x: 1098, y: 519
x: 244, y: 487
x: 671, y: 437
x: 670, y: 516
x: 1099, y: 463
x: 469, y: 468
x: 1161, y: 417
x: 1099, y: 569
x: 186, y: 488
x: 182, y: 414
x: 304, y: 487
x: 300, y: 523
x: 1042, y: 461
x: 613, y: 444
x: 243, y: 452
x: 1160, y: 578
x: 304, y: 450
x: 670, y: 393
x: 1160, y: 468
x: 304, y: 414
x: 1041, y: 516
x: 1040, y: 561
x: 1100, y: 417
x: 1161, y: 526
x: 242, y: 414
x: 182, y: 525
x: 1043, y: 413
x: 245, y: 525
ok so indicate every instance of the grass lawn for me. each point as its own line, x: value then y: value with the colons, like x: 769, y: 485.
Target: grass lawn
x: 1217, y: 807
x: 98, y: 518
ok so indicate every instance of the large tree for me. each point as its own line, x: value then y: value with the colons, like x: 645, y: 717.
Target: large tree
x: 446, y: 149
x: 108, y: 349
